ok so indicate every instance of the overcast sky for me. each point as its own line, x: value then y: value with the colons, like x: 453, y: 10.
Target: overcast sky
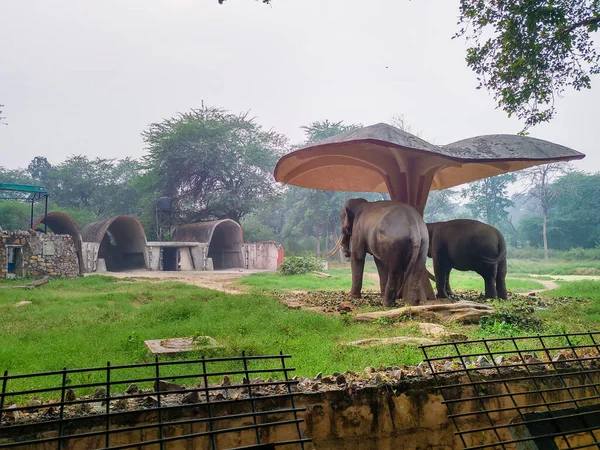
x: 88, y: 76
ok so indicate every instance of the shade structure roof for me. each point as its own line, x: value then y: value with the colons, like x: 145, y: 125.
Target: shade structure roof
x: 26, y: 192
x: 383, y: 158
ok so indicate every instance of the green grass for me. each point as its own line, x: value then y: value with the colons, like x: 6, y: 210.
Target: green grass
x: 306, y: 282
x: 88, y: 321
x: 342, y: 280
x: 553, y: 267
x: 575, y: 317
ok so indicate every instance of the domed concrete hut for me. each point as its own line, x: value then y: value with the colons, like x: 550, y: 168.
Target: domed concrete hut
x: 61, y: 223
x: 120, y: 242
x: 383, y: 158
x: 224, y: 239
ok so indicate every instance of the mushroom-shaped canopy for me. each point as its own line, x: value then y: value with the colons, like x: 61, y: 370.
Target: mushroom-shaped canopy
x: 383, y: 158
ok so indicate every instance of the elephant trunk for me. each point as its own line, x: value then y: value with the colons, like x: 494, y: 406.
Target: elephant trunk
x: 337, y: 246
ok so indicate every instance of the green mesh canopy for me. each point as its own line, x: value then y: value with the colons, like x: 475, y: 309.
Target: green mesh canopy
x: 11, y: 191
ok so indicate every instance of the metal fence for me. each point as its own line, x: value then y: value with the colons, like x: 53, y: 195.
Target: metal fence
x: 540, y: 392
x: 141, y: 406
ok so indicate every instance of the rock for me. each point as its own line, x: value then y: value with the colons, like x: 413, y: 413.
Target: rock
x: 150, y: 401
x: 121, y: 403
x: 34, y: 402
x: 99, y: 393
x: 420, y: 371
x: 399, y: 340
x: 245, y: 380
x: 559, y: 357
x: 10, y: 414
x: 70, y: 395
x: 398, y: 374
x: 432, y: 329
x: 219, y: 396
x: 132, y: 389
x: 319, y: 376
x: 327, y: 380
x: 482, y: 361
x: 370, y: 369
x: 165, y: 386
x: 22, y: 303
x: 448, y: 366
x: 191, y: 397
x: 294, y: 378
x: 49, y: 411
x: 499, y: 360
x: 270, y: 380
x: 226, y: 381
x: 83, y: 409
x: 466, y: 360
x: 345, y: 307
x: 315, y: 387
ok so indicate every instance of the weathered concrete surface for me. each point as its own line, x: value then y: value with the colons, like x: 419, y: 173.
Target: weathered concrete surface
x: 396, y: 414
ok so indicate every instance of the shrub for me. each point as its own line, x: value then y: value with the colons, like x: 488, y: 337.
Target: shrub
x: 294, y: 265
x: 512, y: 316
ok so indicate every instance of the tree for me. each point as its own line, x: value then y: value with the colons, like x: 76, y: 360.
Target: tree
x: 213, y: 163
x: 488, y: 199
x: 440, y: 205
x: 1, y: 116
x: 38, y: 169
x: 574, y: 219
x: 527, y: 52
x: 538, y: 181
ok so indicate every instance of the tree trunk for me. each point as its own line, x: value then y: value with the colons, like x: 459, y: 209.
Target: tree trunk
x: 318, y: 233
x: 545, y: 232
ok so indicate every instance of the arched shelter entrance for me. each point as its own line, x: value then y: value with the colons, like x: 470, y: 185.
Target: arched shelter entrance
x: 121, y: 240
x: 223, y: 237
x: 61, y: 223
x: 383, y: 158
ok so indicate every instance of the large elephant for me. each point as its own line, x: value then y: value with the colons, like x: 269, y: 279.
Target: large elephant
x: 464, y: 244
x: 396, y: 235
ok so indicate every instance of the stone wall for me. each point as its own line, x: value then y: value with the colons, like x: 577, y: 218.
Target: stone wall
x: 39, y: 254
x: 394, y: 414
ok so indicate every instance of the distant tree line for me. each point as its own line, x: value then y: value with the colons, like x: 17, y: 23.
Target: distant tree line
x: 215, y: 164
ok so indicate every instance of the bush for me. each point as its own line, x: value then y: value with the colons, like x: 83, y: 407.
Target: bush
x: 294, y: 265
x: 513, y: 316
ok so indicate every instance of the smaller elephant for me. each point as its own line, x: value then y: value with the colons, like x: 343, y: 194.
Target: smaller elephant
x: 464, y: 244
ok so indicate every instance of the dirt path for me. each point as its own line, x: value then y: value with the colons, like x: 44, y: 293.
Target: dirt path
x: 219, y: 280
x: 548, y: 285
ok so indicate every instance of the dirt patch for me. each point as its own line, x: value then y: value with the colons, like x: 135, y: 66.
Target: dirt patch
x: 224, y: 281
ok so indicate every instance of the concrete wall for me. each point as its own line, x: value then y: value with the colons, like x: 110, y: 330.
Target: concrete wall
x: 395, y: 414
x: 40, y: 254
x: 263, y: 255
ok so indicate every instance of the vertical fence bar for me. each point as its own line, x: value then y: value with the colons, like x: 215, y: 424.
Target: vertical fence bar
x: 107, y: 437
x: 250, y: 396
x: 213, y: 441
x: 159, y: 410
x: 3, y: 393
x: 289, y: 389
x: 61, y: 413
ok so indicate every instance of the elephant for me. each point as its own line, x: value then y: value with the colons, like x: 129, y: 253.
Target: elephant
x: 396, y: 235
x: 465, y: 244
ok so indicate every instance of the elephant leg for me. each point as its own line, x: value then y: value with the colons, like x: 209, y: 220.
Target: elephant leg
x: 383, y: 275
x: 501, y: 280
x: 400, y: 286
x: 489, y: 276
x: 440, y: 278
x: 391, y: 289
x: 447, y: 284
x: 358, y: 267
